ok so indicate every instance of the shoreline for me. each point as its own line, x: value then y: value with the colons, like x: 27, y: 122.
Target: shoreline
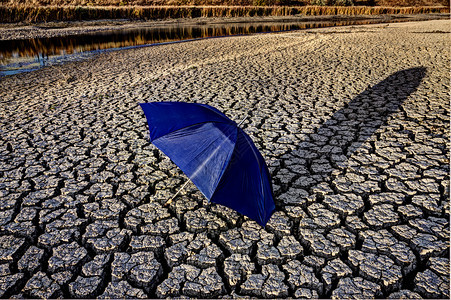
x: 18, y: 31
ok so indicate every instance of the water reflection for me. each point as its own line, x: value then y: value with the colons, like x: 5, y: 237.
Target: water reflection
x: 25, y: 55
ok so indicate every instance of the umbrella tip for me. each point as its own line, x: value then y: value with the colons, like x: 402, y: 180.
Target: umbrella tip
x: 170, y: 200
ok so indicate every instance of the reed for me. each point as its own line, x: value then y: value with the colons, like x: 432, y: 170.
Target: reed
x: 34, y: 14
x: 385, y: 3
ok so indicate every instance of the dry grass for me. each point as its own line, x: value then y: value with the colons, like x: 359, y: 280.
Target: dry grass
x: 26, y: 13
x: 144, y: 2
x: 394, y: 3
x: 412, y: 2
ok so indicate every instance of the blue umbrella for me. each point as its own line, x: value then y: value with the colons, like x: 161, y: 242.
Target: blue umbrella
x: 215, y: 153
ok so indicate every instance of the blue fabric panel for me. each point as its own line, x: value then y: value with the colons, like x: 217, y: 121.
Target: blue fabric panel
x: 246, y: 184
x: 166, y: 117
x: 220, y: 159
x: 201, y: 151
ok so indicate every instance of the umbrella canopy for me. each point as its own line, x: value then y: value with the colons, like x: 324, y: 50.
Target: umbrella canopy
x: 217, y: 155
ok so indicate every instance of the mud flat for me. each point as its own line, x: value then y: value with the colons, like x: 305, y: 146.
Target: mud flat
x: 353, y: 123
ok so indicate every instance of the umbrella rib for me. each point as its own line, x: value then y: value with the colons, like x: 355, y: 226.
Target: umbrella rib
x: 169, y: 201
x: 186, y: 183
x: 239, y: 124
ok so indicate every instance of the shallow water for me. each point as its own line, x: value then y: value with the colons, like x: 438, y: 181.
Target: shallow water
x: 26, y: 55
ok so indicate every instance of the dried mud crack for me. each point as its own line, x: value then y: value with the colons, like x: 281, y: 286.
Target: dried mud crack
x: 353, y: 123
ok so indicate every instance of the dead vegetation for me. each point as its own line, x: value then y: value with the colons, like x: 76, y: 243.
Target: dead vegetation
x: 394, y: 3
x: 72, y: 10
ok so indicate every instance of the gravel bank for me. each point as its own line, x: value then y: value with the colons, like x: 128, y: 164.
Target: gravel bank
x: 353, y: 123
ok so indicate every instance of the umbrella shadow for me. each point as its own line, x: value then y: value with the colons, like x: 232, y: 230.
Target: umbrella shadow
x: 356, y: 122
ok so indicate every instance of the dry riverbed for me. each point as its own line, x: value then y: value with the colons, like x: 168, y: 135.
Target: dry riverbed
x: 353, y: 123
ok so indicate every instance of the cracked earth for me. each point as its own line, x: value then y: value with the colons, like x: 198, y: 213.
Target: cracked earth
x: 352, y: 121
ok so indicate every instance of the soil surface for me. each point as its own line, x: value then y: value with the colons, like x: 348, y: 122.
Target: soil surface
x: 353, y: 123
